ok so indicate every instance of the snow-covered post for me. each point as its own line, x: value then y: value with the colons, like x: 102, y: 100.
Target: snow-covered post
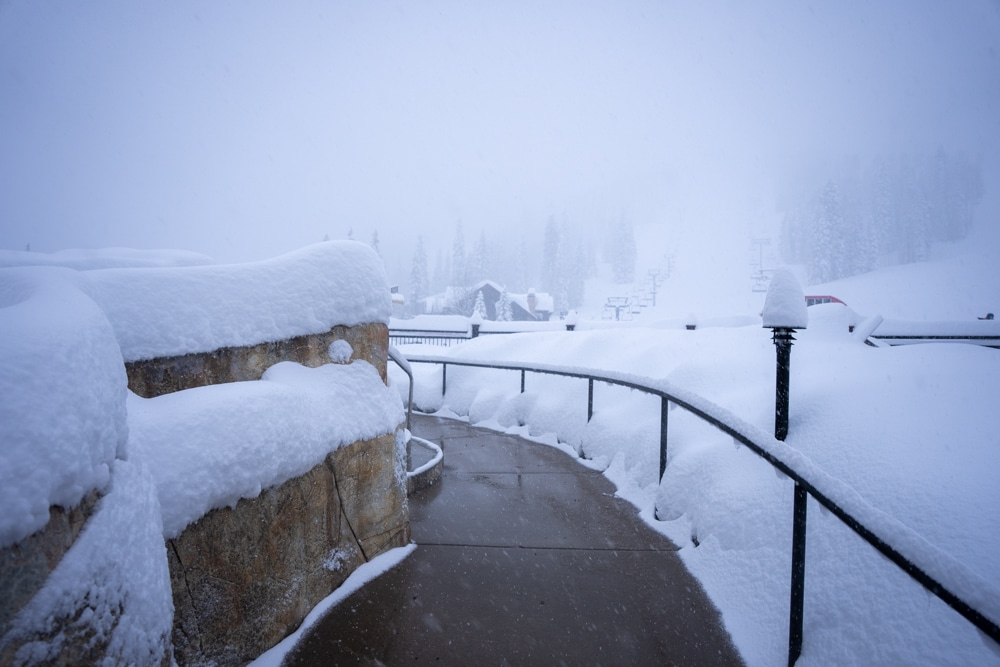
x: 475, y: 322
x: 571, y: 320
x: 784, y: 312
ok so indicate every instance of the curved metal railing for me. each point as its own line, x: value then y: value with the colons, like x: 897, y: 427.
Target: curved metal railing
x: 790, y: 462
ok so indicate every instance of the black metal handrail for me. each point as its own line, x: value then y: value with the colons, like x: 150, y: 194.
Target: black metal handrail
x: 782, y: 457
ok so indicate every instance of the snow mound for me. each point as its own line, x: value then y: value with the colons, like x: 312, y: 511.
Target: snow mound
x: 173, y: 311
x: 209, y: 447
x: 62, y: 398
x: 103, y: 258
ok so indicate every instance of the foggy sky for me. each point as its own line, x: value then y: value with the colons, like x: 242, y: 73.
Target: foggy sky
x: 246, y: 129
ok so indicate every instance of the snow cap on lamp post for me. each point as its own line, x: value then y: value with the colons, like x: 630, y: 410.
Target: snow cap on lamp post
x: 785, y: 304
x: 571, y: 319
x: 476, y: 320
x: 784, y: 312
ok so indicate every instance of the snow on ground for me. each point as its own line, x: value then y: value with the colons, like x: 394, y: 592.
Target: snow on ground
x: 908, y: 434
x: 69, y: 424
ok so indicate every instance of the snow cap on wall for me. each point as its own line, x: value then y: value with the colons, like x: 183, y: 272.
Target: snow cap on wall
x: 785, y: 304
x: 163, y: 312
x: 103, y: 258
x: 62, y: 398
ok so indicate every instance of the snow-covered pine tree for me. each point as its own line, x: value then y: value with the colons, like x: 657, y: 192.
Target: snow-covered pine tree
x: 418, y: 278
x: 622, y: 252
x: 441, y: 273
x: 459, y: 274
x: 550, y: 256
x: 503, y: 309
x: 826, y: 223
x: 479, y: 261
x: 480, y: 307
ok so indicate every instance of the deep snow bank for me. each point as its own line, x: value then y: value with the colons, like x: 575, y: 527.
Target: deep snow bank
x: 62, y: 398
x: 908, y: 434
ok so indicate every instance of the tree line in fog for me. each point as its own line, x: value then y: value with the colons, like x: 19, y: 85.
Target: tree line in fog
x: 885, y: 212
x: 558, y: 260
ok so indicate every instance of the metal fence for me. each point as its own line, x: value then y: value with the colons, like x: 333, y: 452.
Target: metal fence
x: 726, y: 423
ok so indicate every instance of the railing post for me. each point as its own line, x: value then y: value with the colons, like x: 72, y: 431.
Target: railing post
x: 798, y: 574
x: 590, y: 399
x: 522, y: 380
x: 664, y: 411
x: 444, y: 378
x: 783, y: 339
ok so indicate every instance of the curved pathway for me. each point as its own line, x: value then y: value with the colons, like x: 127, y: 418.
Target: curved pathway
x: 525, y: 557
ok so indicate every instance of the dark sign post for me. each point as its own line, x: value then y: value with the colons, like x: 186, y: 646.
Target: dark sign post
x: 784, y: 312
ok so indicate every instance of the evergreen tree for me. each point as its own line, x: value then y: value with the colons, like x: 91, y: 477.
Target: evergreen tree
x: 374, y: 244
x: 442, y: 271
x: 459, y: 275
x: 576, y: 274
x: 480, y: 307
x: 503, y: 309
x: 521, y: 278
x: 883, y: 214
x: 622, y: 252
x: 550, y: 257
x: 479, y: 262
x: 825, y: 226
x: 418, y: 278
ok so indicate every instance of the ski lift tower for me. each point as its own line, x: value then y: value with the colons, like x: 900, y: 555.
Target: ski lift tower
x: 759, y: 279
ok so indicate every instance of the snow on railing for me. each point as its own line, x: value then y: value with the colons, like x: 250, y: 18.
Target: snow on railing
x: 974, y: 598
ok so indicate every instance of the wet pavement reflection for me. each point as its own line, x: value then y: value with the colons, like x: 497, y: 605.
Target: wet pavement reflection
x: 525, y: 557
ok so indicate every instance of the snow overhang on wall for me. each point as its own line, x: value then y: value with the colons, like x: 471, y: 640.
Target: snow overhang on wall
x: 163, y: 312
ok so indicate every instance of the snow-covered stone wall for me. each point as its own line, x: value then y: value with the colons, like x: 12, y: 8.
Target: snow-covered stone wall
x: 270, y: 414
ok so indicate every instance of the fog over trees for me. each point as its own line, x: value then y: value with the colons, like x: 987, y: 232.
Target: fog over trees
x: 885, y: 211
x: 523, y: 141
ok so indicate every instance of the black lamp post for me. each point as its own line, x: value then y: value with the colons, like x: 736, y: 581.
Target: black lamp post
x: 571, y: 319
x: 784, y: 312
x: 783, y: 340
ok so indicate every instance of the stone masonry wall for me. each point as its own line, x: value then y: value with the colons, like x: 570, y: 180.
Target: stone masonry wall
x: 25, y: 566
x: 154, y: 377
x: 244, y: 578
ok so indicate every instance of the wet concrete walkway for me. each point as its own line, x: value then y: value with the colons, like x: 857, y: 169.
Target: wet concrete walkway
x: 524, y: 557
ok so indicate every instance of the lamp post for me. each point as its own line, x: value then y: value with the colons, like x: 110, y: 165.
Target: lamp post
x: 784, y: 312
x: 571, y: 319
